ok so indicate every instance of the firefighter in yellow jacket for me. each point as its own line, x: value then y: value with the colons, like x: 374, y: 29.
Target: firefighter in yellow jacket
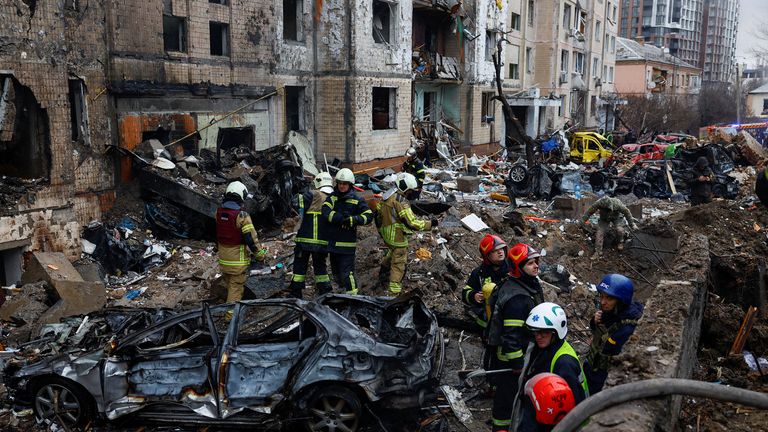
x: 237, y: 241
x: 396, y: 222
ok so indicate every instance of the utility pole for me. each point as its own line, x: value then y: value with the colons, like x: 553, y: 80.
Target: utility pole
x: 738, y: 94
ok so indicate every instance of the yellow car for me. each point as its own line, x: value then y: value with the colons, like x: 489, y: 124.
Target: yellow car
x: 588, y: 147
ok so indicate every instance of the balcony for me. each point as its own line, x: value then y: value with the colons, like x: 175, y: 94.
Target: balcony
x: 436, y: 49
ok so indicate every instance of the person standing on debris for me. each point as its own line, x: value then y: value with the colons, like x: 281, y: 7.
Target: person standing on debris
x: 237, y: 241
x: 701, y: 182
x: 344, y: 209
x: 612, y: 210
x: 612, y: 325
x: 506, y: 337
x: 761, y: 186
x: 485, y: 277
x: 311, y: 239
x: 413, y: 166
x: 551, y: 353
x: 396, y: 222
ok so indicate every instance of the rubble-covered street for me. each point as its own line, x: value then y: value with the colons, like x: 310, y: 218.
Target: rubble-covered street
x: 383, y: 215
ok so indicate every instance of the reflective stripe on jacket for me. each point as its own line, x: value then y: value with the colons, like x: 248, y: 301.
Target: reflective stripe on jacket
x: 236, y: 257
x: 344, y: 212
x: 313, y: 232
x: 398, y: 221
x: 567, y: 349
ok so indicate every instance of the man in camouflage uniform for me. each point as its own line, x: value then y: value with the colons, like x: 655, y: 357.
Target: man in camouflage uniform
x: 613, y: 213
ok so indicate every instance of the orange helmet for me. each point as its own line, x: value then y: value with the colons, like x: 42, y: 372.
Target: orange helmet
x: 520, y: 254
x: 490, y: 243
x: 551, y: 397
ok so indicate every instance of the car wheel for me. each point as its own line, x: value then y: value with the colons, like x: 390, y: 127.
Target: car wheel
x: 517, y: 174
x: 61, y: 401
x: 334, y: 409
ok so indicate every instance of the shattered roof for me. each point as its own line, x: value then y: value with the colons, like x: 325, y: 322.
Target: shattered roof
x: 762, y: 89
x: 628, y: 50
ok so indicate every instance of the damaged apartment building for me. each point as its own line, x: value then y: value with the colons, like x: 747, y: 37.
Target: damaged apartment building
x: 54, y: 127
x: 560, y: 63
x: 84, y: 83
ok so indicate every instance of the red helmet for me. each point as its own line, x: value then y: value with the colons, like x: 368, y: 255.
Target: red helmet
x: 490, y: 243
x: 551, y: 397
x: 520, y: 254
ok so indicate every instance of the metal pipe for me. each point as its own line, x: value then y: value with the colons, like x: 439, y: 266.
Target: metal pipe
x: 655, y: 388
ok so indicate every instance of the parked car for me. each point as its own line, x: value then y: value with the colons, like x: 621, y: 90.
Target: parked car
x: 281, y: 363
x: 588, y: 147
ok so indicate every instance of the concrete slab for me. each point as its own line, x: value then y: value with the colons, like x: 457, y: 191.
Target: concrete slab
x: 468, y: 184
x: 50, y: 267
x: 76, y: 298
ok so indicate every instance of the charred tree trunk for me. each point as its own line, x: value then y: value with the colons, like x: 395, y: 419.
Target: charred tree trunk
x: 509, y: 117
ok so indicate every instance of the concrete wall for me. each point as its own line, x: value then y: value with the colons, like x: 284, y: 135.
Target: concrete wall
x: 664, y: 344
x: 630, y: 78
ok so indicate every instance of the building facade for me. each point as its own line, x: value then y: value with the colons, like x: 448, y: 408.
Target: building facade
x: 643, y: 70
x: 757, y: 102
x: 674, y: 24
x: 700, y: 32
x: 568, y: 55
x: 719, y: 28
x: 55, y: 171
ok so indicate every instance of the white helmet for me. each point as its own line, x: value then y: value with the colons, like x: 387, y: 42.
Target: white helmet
x: 345, y: 175
x: 406, y: 181
x: 410, y: 153
x: 237, y: 188
x: 548, y: 316
x: 323, y: 181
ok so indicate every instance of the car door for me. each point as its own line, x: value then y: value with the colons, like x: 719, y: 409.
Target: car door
x: 267, y: 345
x: 171, y: 363
x: 577, y: 148
x: 591, y: 150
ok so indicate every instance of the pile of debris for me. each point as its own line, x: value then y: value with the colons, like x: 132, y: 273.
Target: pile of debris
x: 52, y: 289
x: 15, y: 191
x: 182, y: 193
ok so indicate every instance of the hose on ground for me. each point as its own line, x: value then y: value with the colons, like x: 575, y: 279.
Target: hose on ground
x: 654, y: 388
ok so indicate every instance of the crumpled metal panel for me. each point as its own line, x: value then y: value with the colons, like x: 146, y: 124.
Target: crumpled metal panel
x: 256, y: 374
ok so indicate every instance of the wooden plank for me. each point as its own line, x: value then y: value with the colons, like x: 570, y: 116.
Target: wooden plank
x: 746, y: 328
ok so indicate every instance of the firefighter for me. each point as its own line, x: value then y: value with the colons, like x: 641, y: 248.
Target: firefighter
x: 344, y: 209
x: 311, y: 239
x: 612, y: 325
x: 550, y: 353
x: 507, y: 338
x: 485, y: 277
x: 237, y: 241
x: 396, y: 223
x: 613, y: 212
x: 413, y: 166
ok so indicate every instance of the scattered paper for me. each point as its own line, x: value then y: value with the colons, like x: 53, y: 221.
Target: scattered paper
x: 474, y: 223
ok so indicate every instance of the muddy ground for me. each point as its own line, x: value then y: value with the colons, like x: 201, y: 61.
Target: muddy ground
x: 738, y: 241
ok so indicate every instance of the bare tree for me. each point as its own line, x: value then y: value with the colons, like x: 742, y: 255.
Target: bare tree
x: 760, y: 47
x: 511, y: 123
x: 660, y: 113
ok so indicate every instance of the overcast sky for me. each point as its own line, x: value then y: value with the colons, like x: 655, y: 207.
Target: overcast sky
x: 753, y: 14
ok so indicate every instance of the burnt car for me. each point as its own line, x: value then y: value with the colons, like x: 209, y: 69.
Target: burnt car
x: 273, y: 364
